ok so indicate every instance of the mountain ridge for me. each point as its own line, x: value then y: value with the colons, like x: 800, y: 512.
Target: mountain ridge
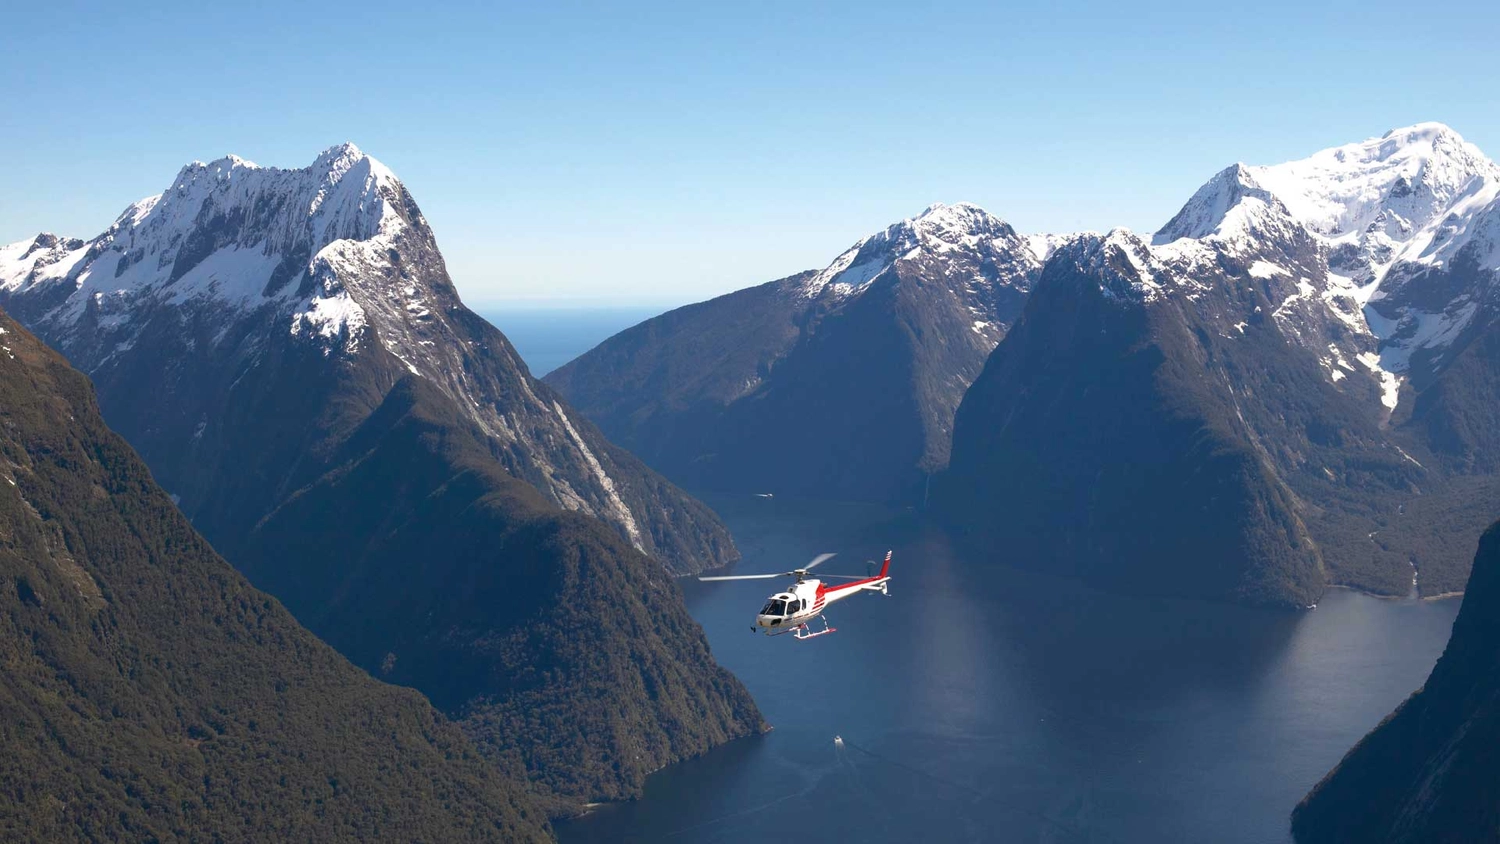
x: 782, y: 386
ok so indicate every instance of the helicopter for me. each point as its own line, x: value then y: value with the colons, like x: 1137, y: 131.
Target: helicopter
x: 805, y: 600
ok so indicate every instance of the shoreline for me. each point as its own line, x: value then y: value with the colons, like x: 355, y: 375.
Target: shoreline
x: 1442, y: 596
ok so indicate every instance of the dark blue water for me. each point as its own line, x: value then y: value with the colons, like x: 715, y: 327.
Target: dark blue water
x: 547, y: 338
x: 981, y: 704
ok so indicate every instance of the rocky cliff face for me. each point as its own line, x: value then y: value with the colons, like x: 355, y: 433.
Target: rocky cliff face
x: 1429, y: 771
x: 1277, y: 315
x: 840, y: 383
x: 150, y: 693
x: 286, y: 351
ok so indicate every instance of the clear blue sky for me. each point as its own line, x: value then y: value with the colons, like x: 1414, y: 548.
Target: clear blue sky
x: 663, y: 153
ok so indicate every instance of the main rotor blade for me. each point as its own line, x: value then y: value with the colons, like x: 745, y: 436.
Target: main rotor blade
x: 742, y: 577
x: 818, y: 561
x: 843, y: 576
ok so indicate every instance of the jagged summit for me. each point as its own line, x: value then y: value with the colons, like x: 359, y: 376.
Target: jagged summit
x: 1121, y: 260
x: 331, y: 158
x: 1389, y: 190
x: 347, y: 150
x: 956, y: 232
x: 1225, y: 204
x: 960, y: 218
x: 1427, y: 129
x: 1401, y: 197
x: 239, y: 236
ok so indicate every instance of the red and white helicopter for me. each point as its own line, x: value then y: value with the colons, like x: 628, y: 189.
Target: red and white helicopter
x: 790, y: 611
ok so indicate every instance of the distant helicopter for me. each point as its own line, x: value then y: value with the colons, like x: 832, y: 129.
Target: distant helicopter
x: 790, y: 611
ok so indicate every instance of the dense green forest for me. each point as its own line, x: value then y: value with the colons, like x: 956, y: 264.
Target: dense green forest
x: 149, y: 693
x: 555, y: 644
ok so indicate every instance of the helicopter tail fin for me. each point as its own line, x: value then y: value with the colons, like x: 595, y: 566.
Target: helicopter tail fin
x: 885, y: 570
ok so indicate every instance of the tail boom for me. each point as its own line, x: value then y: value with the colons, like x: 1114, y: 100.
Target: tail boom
x: 869, y: 584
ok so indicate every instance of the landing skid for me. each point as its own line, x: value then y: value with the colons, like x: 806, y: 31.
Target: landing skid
x: 801, y: 631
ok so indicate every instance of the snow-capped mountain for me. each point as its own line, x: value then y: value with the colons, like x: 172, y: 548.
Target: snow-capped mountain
x: 1300, y: 324
x: 286, y: 351
x: 1409, y: 221
x: 840, y: 382
x: 236, y: 267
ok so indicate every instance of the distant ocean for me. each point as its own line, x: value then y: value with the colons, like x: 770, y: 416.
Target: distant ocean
x: 547, y: 338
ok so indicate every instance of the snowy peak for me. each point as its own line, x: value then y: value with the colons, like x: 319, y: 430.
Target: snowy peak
x: 1121, y: 262
x: 1408, y: 176
x: 339, y: 157
x: 343, y: 194
x: 25, y: 258
x: 954, y: 223
x: 1229, y: 203
x: 1388, y: 199
x: 959, y: 233
x: 1405, y: 196
x: 321, y: 246
x: 1403, y: 231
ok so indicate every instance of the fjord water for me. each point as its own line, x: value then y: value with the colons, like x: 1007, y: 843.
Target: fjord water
x: 979, y: 703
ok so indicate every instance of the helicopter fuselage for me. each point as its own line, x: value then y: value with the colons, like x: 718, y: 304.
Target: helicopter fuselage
x: 806, y: 599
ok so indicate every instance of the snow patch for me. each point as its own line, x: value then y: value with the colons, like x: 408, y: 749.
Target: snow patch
x: 1266, y: 269
x: 1390, y: 382
x: 330, y: 317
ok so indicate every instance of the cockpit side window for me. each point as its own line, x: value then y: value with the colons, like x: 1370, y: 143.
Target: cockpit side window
x: 775, y: 606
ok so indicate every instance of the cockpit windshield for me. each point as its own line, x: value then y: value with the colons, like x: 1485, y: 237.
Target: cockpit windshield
x: 775, y: 606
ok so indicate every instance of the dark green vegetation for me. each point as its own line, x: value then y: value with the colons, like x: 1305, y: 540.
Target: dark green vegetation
x: 554, y: 643
x: 837, y: 385
x: 1429, y: 772
x: 149, y: 693
x: 396, y: 528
